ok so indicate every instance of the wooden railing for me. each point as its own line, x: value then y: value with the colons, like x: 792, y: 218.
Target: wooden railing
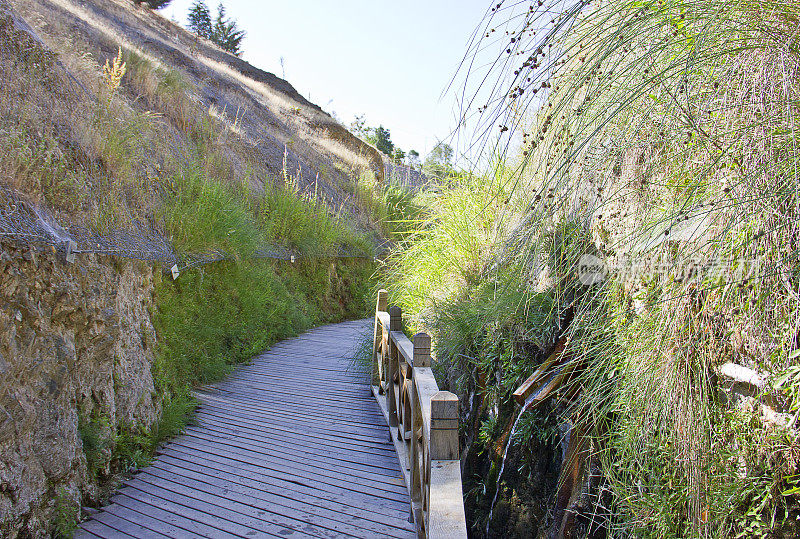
x: 423, y: 423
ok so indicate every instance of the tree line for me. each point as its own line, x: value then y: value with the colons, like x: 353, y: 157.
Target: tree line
x: 438, y: 163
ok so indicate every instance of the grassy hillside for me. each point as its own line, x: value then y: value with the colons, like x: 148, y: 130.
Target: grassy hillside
x: 175, y: 73
x: 658, y: 138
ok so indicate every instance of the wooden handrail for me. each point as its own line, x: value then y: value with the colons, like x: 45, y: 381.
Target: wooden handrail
x: 423, y: 424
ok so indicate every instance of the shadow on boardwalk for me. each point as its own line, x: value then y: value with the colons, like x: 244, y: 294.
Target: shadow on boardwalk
x: 292, y: 445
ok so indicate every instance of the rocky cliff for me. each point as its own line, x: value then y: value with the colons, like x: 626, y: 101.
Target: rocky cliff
x: 76, y: 349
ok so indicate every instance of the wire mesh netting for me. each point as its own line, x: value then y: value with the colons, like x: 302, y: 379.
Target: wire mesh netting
x: 22, y: 221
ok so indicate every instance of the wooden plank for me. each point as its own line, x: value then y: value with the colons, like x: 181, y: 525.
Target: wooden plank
x: 242, y: 514
x: 315, y: 511
x: 289, y: 484
x: 287, y: 376
x: 329, y: 458
x: 243, y: 501
x: 531, y: 384
x: 292, y: 483
x: 200, y: 510
x: 365, y: 430
x: 355, y: 405
x: 743, y: 375
x: 383, y: 317
x: 173, y: 514
x: 97, y: 528
x: 381, y: 449
x: 145, y: 519
x: 318, y: 465
x: 399, y: 446
x: 253, y: 408
x: 358, y: 414
x: 347, y: 373
x: 338, y: 451
x: 312, y: 474
x: 312, y: 498
x: 282, y: 424
x: 134, y: 528
x: 365, y: 433
x: 279, y: 398
x: 446, y: 518
x: 426, y: 387
x: 286, y: 472
x: 377, y: 335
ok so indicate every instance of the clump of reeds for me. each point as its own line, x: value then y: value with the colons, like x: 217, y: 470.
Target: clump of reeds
x: 665, y: 132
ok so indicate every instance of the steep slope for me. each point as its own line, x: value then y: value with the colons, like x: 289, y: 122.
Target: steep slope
x: 278, y: 128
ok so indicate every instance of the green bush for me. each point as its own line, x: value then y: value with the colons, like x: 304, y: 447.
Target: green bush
x: 66, y: 518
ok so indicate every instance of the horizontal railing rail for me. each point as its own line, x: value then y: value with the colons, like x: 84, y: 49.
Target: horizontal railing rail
x: 423, y: 424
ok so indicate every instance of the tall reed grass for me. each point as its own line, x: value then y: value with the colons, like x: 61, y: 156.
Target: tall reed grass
x: 661, y: 138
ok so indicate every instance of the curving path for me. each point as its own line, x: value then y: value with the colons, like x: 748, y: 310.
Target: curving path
x: 291, y: 445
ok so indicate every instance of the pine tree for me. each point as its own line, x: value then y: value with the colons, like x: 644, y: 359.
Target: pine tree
x: 226, y: 33
x: 200, y: 19
x: 413, y: 160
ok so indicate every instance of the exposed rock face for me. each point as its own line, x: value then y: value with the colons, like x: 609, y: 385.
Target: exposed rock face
x: 76, y: 342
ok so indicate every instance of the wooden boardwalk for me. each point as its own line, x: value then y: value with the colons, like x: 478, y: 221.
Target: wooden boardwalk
x: 292, y: 445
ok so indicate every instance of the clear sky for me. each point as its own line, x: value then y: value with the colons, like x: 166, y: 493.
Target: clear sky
x: 389, y: 60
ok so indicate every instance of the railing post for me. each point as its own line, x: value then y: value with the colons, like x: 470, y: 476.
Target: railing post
x: 395, y: 324
x: 383, y: 299
x: 444, y: 426
x: 445, y: 518
x: 395, y: 318
x: 422, y: 350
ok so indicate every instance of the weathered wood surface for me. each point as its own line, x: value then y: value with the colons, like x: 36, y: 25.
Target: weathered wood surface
x: 292, y: 445
x: 423, y: 422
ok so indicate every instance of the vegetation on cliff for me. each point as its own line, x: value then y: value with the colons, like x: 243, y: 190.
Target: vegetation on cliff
x: 647, y: 222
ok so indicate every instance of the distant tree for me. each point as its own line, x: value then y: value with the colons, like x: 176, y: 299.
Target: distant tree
x: 153, y: 4
x: 358, y: 126
x: 380, y: 137
x: 200, y: 19
x: 222, y: 31
x: 439, y: 162
x: 413, y: 160
x: 382, y: 140
x: 226, y: 33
